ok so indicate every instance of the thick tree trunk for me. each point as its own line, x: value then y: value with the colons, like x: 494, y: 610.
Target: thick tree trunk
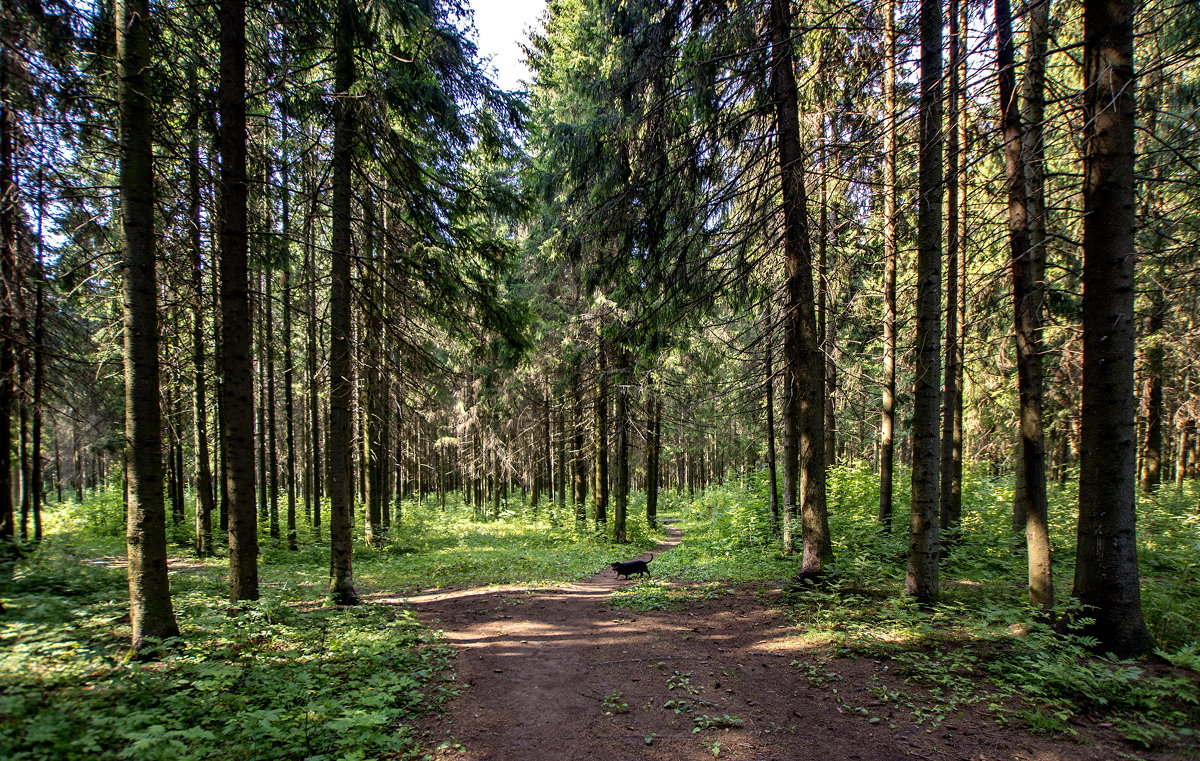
x: 923, y: 549
x: 150, y: 608
x: 888, y: 423
x: 236, y: 327
x: 805, y: 408
x: 1027, y: 302
x: 341, y: 382
x: 1106, y: 568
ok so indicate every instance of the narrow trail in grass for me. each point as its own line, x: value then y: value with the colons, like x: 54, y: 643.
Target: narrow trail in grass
x: 563, y: 674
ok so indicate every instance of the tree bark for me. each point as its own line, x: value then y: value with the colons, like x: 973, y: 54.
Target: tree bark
x: 580, y: 455
x: 316, y: 461
x: 272, y: 434
x: 341, y: 382
x: 601, y: 435
x: 236, y: 333
x: 653, y: 453
x: 951, y: 460
x: 39, y: 374
x: 769, y: 392
x: 1027, y: 303
x: 923, y: 549
x: 1106, y: 568
x: 151, y: 613
x: 289, y: 374
x: 204, y: 486
x: 9, y: 257
x: 621, y: 503
x: 804, y: 452
x: 888, y: 422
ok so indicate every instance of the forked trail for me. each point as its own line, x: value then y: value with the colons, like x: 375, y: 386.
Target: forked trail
x: 561, y: 674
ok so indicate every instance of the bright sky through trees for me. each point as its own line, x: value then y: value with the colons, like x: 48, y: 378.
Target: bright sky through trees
x: 503, y: 27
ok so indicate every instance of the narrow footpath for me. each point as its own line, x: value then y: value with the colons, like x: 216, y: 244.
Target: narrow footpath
x: 562, y: 674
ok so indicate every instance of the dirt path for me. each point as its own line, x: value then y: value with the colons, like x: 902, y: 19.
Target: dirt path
x: 537, y: 666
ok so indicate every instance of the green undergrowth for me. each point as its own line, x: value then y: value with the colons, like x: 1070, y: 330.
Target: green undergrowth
x: 271, y: 681
x: 284, y: 678
x: 432, y: 548
x: 982, y: 645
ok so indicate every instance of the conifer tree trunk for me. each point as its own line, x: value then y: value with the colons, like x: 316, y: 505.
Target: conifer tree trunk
x: 236, y: 327
x: 825, y: 317
x: 260, y: 431
x: 341, y: 382
x: 289, y: 376
x: 39, y: 355
x: 151, y: 613
x: 9, y: 256
x: 1106, y: 567
x: 1155, y: 354
x: 621, y: 503
x: 601, y: 435
x: 204, y: 486
x: 580, y: 454
x: 769, y: 393
x: 1027, y: 299
x: 272, y: 434
x: 316, y: 463
x: 951, y: 459
x: 39, y: 375
x: 888, y: 422
x: 653, y: 455
x: 1152, y: 452
x: 805, y: 408
x: 372, y: 353
x: 561, y: 425
x: 923, y: 550
x: 959, y: 305
x: 23, y: 463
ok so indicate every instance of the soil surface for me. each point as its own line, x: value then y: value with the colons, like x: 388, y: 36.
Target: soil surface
x: 562, y: 674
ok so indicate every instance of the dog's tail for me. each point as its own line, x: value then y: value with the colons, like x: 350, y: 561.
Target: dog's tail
x: 651, y: 554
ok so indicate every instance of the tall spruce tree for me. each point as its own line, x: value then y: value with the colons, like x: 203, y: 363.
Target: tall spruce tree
x: 1106, y: 566
x: 150, y: 609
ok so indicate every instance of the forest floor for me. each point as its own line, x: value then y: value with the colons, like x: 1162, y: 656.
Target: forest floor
x: 561, y: 673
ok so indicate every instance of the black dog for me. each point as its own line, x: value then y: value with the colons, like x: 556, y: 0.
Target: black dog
x: 639, y: 567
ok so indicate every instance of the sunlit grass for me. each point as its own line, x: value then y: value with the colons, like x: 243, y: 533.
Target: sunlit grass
x: 982, y: 644
x: 66, y: 627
